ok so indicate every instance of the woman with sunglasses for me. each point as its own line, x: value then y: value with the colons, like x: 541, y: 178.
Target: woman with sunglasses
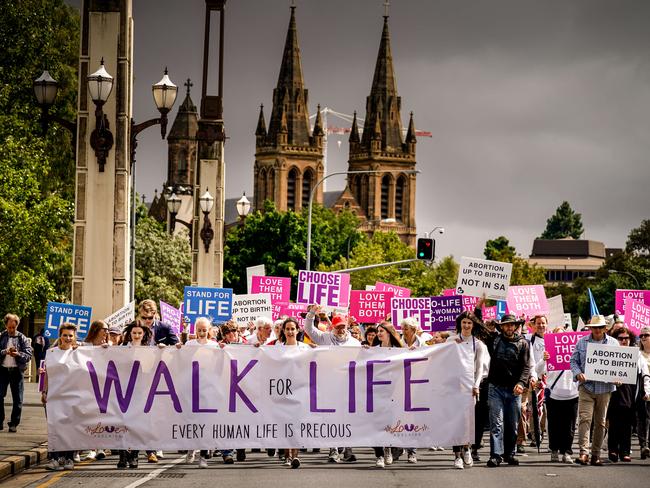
x: 643, y: 406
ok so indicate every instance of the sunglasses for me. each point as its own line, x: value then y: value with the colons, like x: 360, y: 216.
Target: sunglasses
x: 149, y: 318
x: 623, y: 338
x: 643, y: 336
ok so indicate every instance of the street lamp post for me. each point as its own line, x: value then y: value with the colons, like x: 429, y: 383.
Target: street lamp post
x: 243, y: 207
x: 441, y: 230
x: 627, y: 273
x: 45, y: 90
x: 313, y: 192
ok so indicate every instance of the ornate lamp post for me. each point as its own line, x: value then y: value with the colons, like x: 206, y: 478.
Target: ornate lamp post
x: 243, y: 206
x: 206, y: 203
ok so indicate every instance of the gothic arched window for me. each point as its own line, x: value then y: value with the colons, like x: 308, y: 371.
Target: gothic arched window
x: 400, y: 191
x: 307, y: 185
x: 385, y: 188
x: 291, y: 189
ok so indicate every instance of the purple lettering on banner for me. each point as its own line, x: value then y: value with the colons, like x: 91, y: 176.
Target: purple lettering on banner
x: 370, y: 382
x: 162, y: 371
x: 234, y: 386
x: 622, y: 297
x: 407, y: 385
x: 196, y: 389
x: 112, y: 377
x: 352, y: 398
x: 444, y: 311
x: 313, y: 390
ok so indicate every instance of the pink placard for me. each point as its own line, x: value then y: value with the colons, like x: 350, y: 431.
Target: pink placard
x: 370, y: 307
x: 447, y: 292
x: 637, y: 315
x: 469, y: 302
x: 489, y: 313
x: 528, y: 300
x: 397, y: 291
x: 642, y: 296
x: 294, y: 310
x: 560, y: 347
x: 330, y: 289
x: 278, y: 287
x: 172, y: 316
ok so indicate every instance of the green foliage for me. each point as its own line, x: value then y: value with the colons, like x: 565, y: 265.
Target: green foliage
x: 36, y: 172
x: 564, y: 223
x: 278, y: 241
x: 638, y: 241
x: 163, y: 262
x: 499, y: 249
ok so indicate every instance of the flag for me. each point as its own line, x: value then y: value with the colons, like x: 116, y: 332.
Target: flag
x: 593, y: 308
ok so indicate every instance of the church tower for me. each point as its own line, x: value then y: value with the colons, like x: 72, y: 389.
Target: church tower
x: 387, y: 198
x: 288, y: 156
x: 182, y: 144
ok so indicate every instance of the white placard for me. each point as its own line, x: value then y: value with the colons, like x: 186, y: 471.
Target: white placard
x: 247, y: 308
x: 479, y: 276
x: 251, y: 271
x: 555, y: 312
x: 122, y: 317
x: 611, y: 363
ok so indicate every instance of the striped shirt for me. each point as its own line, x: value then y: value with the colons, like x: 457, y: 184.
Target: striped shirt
x: 578, y: 364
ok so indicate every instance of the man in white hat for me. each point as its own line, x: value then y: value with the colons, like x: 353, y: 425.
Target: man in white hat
x: 593, y: 396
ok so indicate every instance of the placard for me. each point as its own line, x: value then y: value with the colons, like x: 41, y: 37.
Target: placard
x: 278, y: 287
x: 555, y: 312
x: 527, y: 300
x: 247, y: 308
x: 444, y: 311
x: 330, y: 289
x: 637, y: 315
x: 397, y: 291
x: 404, y: 307
x: 370, y: 307
x: 294, y: 310
x: 560, y: 348
x: 214, y: 303
x: 502, y: 308
x: 611, y: 363
x: 172, y: 316
x: 251, y: 271
x: 60, y: 313
x: 122, y: 317
x: 489, y: 313
x: 621, y: 297
x: 480, y: 276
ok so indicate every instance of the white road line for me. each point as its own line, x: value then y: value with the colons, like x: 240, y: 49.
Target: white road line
x: 155, y: 473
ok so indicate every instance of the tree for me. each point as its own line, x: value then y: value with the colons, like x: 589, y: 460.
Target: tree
x: 638, y: 241
x: 564, y: 223
x: 499, y: 249
x: 36, y: 171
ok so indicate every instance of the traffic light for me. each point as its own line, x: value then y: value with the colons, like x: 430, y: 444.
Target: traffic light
x: 426, y: 249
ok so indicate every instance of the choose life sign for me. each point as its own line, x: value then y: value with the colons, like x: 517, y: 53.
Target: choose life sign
x: 214, y: 303
x: 481, y: 276
x: 403, y: 308
x: 328, y: 289
x: 60, y: 313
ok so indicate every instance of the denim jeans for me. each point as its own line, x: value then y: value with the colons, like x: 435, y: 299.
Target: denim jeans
x: 504, y: 408
x: 11, y: 378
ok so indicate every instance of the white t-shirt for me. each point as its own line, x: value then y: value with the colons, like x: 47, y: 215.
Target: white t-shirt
x: 195, y: 342
x: 10, y: 361
x: 300, y: 345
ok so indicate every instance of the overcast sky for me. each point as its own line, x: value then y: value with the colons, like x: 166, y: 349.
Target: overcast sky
x: 530, y: 102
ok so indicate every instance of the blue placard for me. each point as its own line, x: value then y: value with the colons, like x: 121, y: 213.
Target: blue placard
x: 59, y: 313
x: 502, y: 308
x: 215, y: 303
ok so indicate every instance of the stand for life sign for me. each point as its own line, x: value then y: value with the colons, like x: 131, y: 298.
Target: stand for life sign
x: 215, y: 303
x: 60, y: 313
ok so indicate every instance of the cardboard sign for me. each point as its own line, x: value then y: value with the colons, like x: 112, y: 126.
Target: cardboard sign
x: 171, y: 316
x: 60, y: 313
x: 251, y: 271
x: 215, y: 303
x: 642, y: 296
x: 527, y: 300
x: 370, y: 307
x: 247, y: 308
x: 278, y: 287
x: 122, y: 317
x: 330, y: 289
x: 611, y: 363
x: 637, y: 315
x: 480, y: 276
x: 404, y: 307
x: 555, y: 312
x: 489, y: 313
x: 444, y: 311
x: 560, y: 347
x: 397, y: 291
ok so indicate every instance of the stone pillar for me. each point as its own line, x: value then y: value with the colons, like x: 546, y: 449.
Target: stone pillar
x: 100, y: 275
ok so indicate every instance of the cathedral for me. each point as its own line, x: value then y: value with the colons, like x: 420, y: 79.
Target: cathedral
x: 289, y: 152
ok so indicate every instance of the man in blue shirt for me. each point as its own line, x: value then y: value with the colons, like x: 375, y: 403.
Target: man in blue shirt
x: 593, y: 396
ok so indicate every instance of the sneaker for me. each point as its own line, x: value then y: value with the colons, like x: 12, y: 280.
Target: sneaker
x: 512, y: 461
x: 555, y: 457
x: 412, y: 459
x: 203, y: 463
x: 241, y: 455
x: 228, y: 460
x: 440, y: 448
x: 388, y: 456
x: 613, y: 457
x: 53, y: 465
x: 91, y: 456
x: 295, y: 463
x: 152, y: 458
x: 467, y: 459
x: 287, y: 462
x: 458, y: 463
x: 493, y: 462
x: 380, y: 462
x: 133, y: 462
x: 521, y: 449
x: 159, y: 454
x: 567, y: 459
x: 68, y: 464
x: 334, y: 456
x: 348, y: 456
x: 270, y: 452
x: 645, y: 453
x: 12, y: 428
x: 76, y: 458
x: 475, y: 457
x: 101, y: 455
x: 189, y: 457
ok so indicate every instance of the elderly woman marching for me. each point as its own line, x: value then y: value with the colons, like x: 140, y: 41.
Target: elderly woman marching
x: 469, y: 332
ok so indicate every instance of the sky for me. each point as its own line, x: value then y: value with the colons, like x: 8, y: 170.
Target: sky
x: 530, y: 102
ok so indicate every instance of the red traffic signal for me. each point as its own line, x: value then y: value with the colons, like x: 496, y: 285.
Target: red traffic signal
x: 426, y: 249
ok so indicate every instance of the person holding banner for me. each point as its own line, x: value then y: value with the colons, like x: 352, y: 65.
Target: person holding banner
x: 469, y: 331
x: 263, y: 330
x: 161, y: 333
x: 561, y: 399
x: 643, y: 407
x: 593, y: 396
x: 67, y: 340
x: 508, y: 376
x: 410, y: 329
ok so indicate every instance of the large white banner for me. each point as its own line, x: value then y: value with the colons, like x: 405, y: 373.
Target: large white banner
x: 246, y: 397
